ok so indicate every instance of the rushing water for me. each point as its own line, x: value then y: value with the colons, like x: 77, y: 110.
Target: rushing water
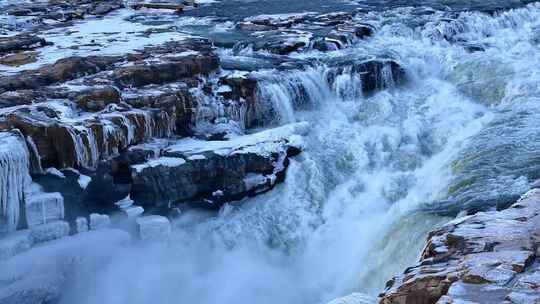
x: 346, y: 219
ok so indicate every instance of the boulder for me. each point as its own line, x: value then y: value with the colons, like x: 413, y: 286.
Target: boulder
x: 375, y: 74
x: 81, y: 224
x: 103, y: 8
x: 21, y: 97
x: 214, y: 172
x: 42, y: 208
x: 18, y: 59
x: 21, y: 42
x: 63, y: 70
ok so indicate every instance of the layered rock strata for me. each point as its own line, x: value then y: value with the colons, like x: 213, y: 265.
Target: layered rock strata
x: 489, y: 257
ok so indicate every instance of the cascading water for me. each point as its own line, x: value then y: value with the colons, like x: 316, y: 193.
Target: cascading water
x: 348, y: 216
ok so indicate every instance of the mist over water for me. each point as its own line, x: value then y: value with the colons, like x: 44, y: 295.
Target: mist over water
x: 346, y: 218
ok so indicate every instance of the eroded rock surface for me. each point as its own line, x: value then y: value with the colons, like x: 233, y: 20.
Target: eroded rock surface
x: 214, y: 172
x: 489, y: 257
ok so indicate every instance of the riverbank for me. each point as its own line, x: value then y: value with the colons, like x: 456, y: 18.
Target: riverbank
x: 489, y: 257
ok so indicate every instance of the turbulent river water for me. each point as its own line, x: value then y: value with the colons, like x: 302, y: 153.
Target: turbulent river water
x: 377, y: 171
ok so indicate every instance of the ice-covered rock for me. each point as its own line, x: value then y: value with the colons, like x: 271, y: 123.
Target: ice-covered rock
x: 81, y: 224
x: 126, y: 206
x: 14, y: 179
x: 195, y: 170
x: 50, y: 231
x: 489, y: 257
x: 99, y: 221
x: 20, y: 43
x: 154, y: 228
x: 42, y: 208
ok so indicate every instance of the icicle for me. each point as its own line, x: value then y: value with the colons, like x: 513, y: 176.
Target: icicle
x: 130, y: 130
x: 92, y: 145
x: 80, y: 151
x: 14, y: 178
x: 36, y: 166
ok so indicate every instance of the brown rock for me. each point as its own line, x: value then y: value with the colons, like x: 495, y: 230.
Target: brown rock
x: 96, y: 99
x: 20, y: 43
x: 174, y: 70
x: 18, y: 59
x: 488, y: 258
x: 61, y: 71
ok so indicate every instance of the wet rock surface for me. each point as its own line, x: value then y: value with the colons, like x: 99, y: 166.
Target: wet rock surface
x: 489, y: 257
x: 20, y: 43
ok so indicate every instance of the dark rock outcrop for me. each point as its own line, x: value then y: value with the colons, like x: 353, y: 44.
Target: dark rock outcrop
x: 61, y: 71
x: 21, y: 42
x: 375, y: 74
x: 212, y: 173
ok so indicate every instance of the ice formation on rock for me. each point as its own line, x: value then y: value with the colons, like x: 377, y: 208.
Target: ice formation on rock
x: 42, y: 208
x: 81, y: 224
x: 99, y: 221
x: 14, y: 177
x: 154, y: 228
x: 50, y: 231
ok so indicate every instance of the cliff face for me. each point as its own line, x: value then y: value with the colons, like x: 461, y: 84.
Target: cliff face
x: 489, y: 257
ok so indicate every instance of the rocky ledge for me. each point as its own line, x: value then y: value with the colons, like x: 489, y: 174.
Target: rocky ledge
x: 214, y: 172
x: 148, y: 117
x: 489, y: 257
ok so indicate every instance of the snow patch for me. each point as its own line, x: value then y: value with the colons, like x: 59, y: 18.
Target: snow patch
x: 162, y: 161
x: 55, y: 172
x: 84, y: 181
